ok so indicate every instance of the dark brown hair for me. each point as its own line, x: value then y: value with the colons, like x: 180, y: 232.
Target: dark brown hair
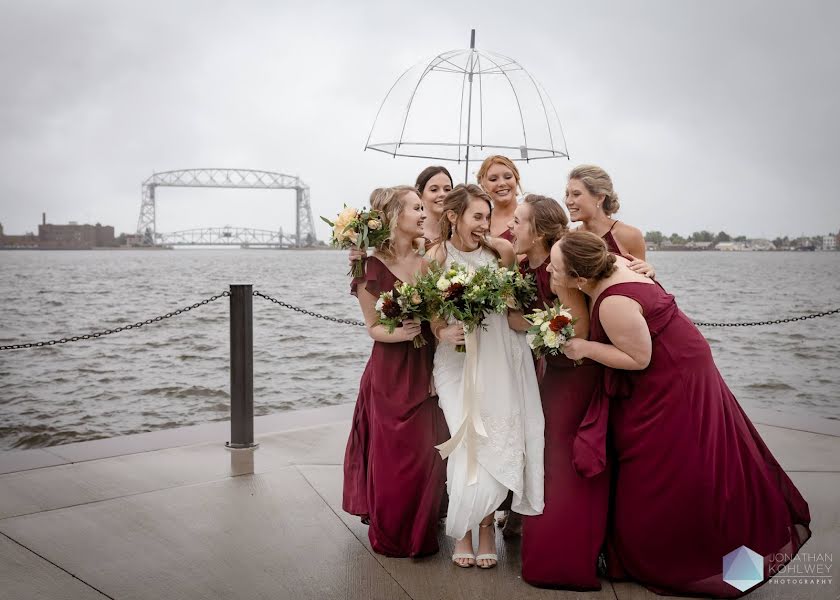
x: 547, y: 218
x: 426, y: 174
x: 586, y: 255
x: 457, y: 201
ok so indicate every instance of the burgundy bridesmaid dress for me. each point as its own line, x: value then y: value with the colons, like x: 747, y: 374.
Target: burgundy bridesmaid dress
x: 560, y: 547
x: 694, y: 481
x: 612, y: 243
x: 507, y: 234
x: 393, y: 476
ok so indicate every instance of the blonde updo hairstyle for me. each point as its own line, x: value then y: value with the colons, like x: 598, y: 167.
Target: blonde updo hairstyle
x: 547, y: 218
x: 586, y: 255
x: 457, y: 201
x: 498, y: 159
x: 598, y: 183
x: 390, y: 201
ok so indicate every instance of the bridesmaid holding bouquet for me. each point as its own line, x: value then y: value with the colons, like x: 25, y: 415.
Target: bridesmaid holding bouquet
x: 694, y: 480
x: 560, y: 547
x: 393, y: 476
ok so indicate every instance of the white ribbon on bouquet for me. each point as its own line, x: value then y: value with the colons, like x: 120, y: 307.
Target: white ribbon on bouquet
x: 471, y: 423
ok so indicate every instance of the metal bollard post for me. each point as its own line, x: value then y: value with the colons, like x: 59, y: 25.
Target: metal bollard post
x: 241, y: 367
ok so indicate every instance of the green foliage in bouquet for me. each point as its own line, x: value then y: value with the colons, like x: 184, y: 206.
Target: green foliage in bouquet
x: 405, y: 303
x: 360, y: 229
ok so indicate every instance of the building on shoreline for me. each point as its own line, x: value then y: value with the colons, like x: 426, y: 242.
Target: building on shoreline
x: 830, y: 241
x: 62, y: 237
x: 27, y: 240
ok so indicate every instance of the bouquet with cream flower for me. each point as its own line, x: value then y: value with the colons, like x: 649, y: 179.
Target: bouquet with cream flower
x: 464, y: 293
x: 360, y: 229
x: 550, y: 329
x: 406, y: 302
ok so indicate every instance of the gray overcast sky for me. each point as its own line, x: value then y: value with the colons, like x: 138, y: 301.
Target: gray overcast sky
x: 707, y: 114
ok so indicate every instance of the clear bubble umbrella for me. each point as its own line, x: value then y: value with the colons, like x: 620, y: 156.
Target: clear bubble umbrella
x: 464, y: 105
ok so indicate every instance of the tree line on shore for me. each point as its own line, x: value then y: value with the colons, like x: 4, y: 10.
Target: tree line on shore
x: 657, y: 237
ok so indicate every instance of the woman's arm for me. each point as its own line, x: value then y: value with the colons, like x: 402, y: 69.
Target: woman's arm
x: 367, y: 301
x: 622, y: 320
x: 507, y: 258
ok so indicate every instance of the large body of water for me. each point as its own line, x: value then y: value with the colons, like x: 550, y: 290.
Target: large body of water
x: 175, y: 373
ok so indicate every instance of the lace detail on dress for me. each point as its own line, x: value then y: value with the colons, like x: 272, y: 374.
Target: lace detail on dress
x: 476, y: 258
x: 503, y: 448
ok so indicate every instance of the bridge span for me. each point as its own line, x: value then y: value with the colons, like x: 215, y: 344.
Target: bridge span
x: 304, y: 234
x: 228, y: 236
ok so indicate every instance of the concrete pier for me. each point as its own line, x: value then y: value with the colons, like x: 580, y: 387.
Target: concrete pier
x: 174, y: 514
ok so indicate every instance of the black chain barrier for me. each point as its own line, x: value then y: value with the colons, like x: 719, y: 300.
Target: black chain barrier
x: 98, y: 334
x: 775, y: 322
x: 308, y: 312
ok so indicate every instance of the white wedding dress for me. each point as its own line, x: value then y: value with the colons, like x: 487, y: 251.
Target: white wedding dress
x: 491, y: 401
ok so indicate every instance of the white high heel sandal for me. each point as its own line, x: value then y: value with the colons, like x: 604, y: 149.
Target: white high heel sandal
x: 494, y: 557
x: 460, y: 555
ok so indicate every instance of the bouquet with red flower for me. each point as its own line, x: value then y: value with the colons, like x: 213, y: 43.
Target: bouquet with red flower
x: 464, y: 294
x: 550, y: 329
x: 405, y: 303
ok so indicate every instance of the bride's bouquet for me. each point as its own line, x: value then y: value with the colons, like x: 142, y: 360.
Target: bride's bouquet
x: 464, y: 293
x: 360, y: 229
x: 406, y: 302
x: 550, y: 330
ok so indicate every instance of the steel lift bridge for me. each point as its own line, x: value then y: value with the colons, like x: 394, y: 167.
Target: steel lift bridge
x: 226, y: 236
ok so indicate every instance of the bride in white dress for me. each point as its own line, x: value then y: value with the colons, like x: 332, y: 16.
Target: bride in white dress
x: 489, y: 395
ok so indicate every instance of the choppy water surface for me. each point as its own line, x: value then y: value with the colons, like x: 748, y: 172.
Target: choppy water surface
x: 175, y: 373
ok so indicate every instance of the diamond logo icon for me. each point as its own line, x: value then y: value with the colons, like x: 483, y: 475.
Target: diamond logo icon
x: 743, y: 568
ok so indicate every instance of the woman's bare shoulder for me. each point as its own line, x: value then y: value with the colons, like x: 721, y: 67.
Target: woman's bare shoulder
x: 628, y: 233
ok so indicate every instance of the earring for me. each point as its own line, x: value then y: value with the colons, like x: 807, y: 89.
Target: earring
x: 580, y: 290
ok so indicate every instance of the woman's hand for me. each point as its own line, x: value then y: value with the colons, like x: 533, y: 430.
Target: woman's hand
x: 641, y: 267
x: 409, y: 330
x: 452, y: 334
x: 575, y: 348
x: 356, y: 254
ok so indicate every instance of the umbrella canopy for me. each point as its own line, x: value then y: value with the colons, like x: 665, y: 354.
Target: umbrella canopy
x: 464, y: 105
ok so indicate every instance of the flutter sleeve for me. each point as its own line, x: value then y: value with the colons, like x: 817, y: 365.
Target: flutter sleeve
x: 372, y: 280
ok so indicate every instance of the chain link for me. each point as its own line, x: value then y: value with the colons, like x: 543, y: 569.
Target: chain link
x: 98, y: 334
x: 308, y: 312
x: 775, y: 322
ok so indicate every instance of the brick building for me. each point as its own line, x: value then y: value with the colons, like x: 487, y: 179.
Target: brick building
x: 74, y: 236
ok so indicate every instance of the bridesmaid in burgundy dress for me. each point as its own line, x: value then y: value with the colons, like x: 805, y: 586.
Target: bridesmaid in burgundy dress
x: 694, y: 479
x: 560, y: 547
x: 393, y: 476
x: 499, y: 177
x: 433, y: 183
x: 592, y: 201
